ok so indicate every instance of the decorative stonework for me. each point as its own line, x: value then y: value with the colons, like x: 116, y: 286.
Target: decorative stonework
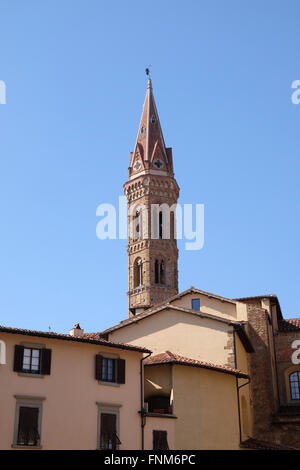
x: 230, y: 348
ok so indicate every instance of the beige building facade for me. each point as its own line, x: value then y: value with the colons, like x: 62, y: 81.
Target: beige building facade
x: 68, y: 392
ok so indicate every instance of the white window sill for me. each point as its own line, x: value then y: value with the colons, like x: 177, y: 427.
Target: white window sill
x: 30, y: 374
x: 112, y: 384
x: 17, y: 446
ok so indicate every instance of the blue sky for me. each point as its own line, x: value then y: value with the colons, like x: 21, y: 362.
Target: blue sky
x: 74, y: 71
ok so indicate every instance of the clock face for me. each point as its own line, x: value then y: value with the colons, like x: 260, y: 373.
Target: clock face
x: 158, y: 163
x: 137, y: 165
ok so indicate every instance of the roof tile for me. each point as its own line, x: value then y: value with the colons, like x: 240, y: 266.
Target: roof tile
x: 93, y: 338
x: 289, y: 324
x: 171, y: 358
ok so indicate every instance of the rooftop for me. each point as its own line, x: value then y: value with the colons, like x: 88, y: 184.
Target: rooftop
x: 92, y: 338
x: 171, y: 358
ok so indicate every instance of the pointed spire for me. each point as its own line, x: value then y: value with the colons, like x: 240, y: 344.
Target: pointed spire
x: 150, y: 152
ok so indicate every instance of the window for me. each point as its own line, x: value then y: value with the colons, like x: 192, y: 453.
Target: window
x: 138, y: 272
x: 28, y: 420
x: 160, y: 222
x: 108, y: 434
x: 108, y: 426
x: 156, y: 268
x: 32, y: 360
x: 295, y: 385
x: 160, y: 441
x: 159, y: 404
x: 138, y: 225
x: 159, y: 271
x: 110, y: 369
x: 28, y: 434
x: 195, y: 304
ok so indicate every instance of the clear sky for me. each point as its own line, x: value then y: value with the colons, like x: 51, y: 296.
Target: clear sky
x: 74, y: 71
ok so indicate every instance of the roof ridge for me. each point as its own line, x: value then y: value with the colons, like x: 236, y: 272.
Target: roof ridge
x: 68, y: 337
x: 170, y: 357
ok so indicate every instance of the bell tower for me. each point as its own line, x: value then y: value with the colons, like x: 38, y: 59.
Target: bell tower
x: 152, y: 194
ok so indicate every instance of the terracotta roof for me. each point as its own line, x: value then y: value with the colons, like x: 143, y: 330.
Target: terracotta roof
x: 171, y: 358
x: 253, y: 297
x: 166, y: 306
x: 92, y: 338
x: 289, y: 324
x: 194, y: 290
x: 257, y: 444
x: 266, y: 296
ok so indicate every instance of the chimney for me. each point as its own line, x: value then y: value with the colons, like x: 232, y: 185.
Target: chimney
x: 76, y: 331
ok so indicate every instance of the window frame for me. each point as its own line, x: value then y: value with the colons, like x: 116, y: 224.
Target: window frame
x: 28, y: 402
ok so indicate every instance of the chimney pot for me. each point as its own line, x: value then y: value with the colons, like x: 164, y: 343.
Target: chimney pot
x: 76, y: 331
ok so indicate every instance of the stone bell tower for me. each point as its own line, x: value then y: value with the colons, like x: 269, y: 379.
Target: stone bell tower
x: 152, y: 194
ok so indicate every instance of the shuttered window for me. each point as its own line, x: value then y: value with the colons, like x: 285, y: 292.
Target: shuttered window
x: 108, y: 431
x: 32, y: 360
x: 110, y: 370
x: 28, y: 434
x: 160, y: 441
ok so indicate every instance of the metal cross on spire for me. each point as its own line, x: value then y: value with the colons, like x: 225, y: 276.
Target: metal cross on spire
x: 148, y: 71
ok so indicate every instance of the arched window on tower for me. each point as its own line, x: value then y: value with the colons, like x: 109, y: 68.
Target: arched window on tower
x: 160, y: 224
x: 138, y: 273
x: 162, y: 272
x: 159, y: 271
x: 295, y: 385
x: 137, y: 225
x: 156, y: 269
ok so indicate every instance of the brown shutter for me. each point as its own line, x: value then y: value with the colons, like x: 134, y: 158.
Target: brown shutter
x: 45, y: 361
x: 28, y: 426
x: 18, y: 359
x: 120, y: 371
x: 98, y: 371
x: 160, y: 441
x: 108, y: 436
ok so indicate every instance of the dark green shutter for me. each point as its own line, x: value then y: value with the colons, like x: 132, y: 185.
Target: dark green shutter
x: 45, y: 361
x: 98, y: 370
x: 121, y: 371
x: 18, y: 359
